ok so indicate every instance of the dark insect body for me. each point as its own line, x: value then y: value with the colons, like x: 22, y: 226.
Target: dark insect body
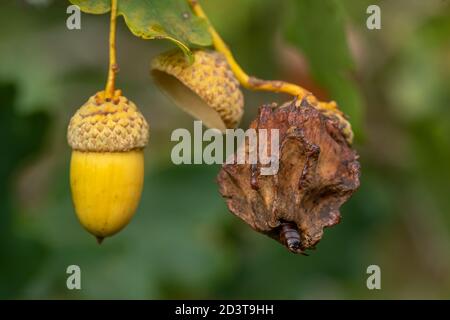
x: 290, y: 236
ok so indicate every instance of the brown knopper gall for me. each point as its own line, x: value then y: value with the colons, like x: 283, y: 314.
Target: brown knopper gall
x: 318, y: 171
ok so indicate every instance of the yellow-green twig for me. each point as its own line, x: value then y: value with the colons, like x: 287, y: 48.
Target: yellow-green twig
x: 253, y: 83
x: 246, y: 81
x: 113, y: 68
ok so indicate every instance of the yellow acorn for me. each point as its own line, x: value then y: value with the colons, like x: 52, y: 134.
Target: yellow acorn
x: 207, y: 89
x: 107, y: 136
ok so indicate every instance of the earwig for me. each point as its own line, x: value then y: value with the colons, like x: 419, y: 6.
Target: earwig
x: 290, y: 236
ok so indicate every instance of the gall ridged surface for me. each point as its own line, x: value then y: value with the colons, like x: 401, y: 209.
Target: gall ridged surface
x: 318, y: 172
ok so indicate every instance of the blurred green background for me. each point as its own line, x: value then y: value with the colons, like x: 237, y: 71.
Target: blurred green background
x: 183, y: 242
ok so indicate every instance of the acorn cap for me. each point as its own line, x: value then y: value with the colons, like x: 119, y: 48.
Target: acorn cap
x: 206, y: 89
x: 108, y: 125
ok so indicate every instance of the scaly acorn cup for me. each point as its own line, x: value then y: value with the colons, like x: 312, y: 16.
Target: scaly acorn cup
x: 206, y: 89
x: 107, y: 137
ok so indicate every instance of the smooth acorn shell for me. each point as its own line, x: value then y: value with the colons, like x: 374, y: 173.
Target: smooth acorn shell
x: 106, y: 189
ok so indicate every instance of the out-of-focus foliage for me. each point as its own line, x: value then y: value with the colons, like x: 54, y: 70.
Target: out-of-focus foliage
x: 318, y: 29
x: 183, y: 243
x: 22, y: 138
